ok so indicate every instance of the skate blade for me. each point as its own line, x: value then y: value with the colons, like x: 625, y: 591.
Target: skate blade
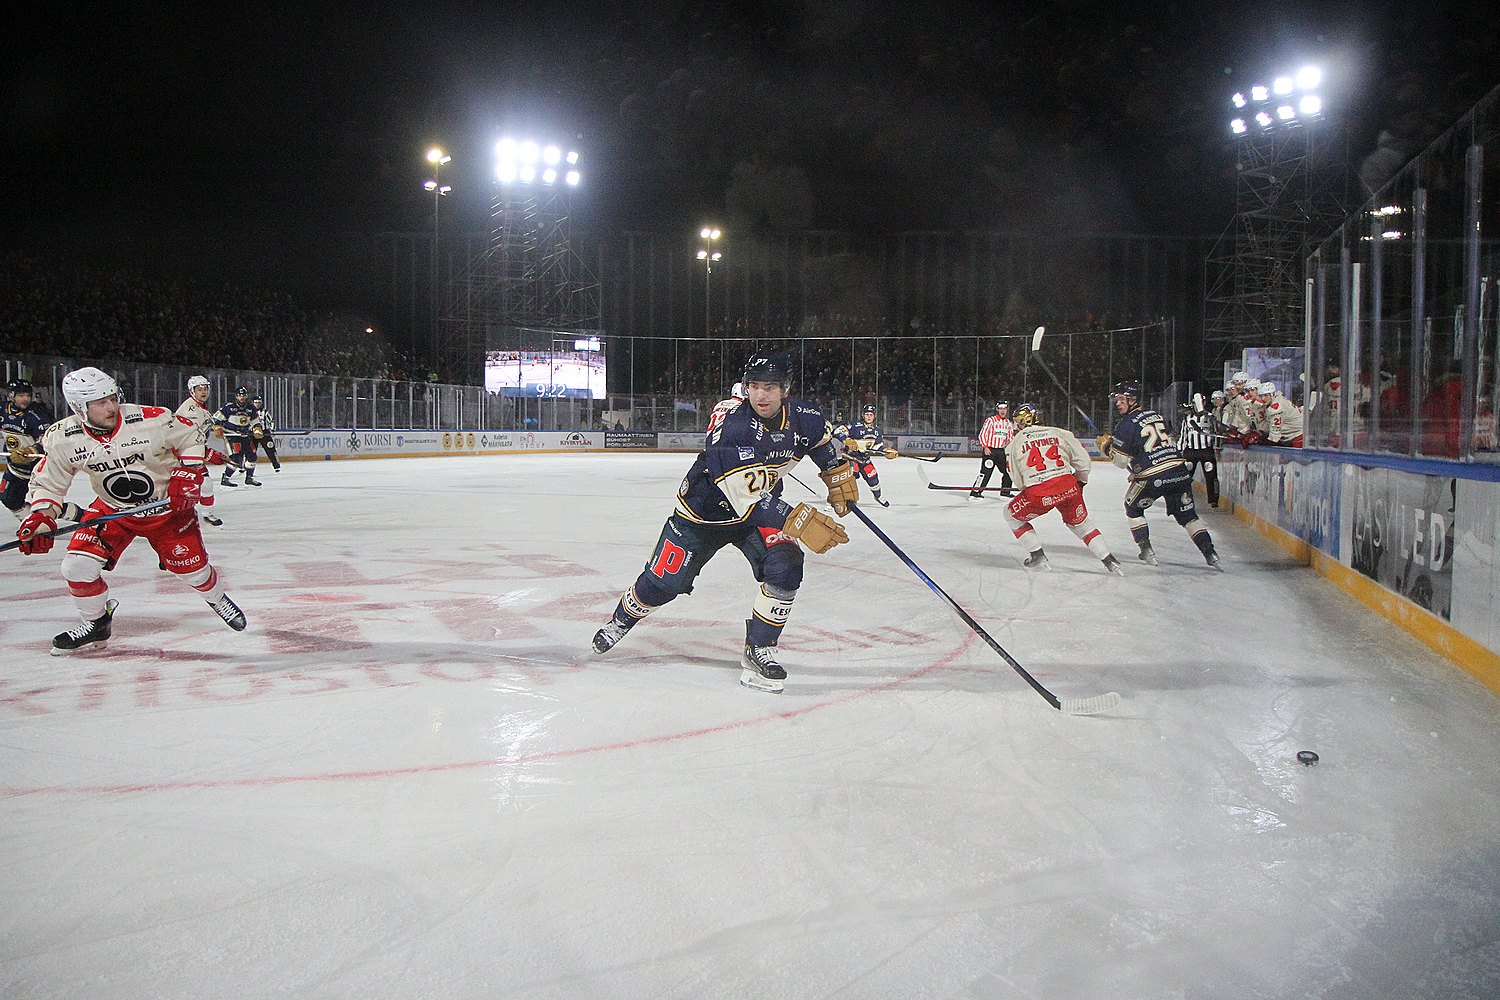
x: 101, y: 646
x: 755, y: 682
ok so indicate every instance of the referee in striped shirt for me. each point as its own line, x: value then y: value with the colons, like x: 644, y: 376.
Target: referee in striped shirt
x: 1195, y: 439
x: 993, y: 437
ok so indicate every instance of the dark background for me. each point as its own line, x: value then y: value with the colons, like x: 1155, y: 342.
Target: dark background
x: 238, y: 147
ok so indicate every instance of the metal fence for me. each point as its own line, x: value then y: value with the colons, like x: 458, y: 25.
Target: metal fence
x: 923, y: 385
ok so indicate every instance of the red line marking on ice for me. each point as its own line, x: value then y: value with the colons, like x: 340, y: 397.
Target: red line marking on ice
x: 521, y: 761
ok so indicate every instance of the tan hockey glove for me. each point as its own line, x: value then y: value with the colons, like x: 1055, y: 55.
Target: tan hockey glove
x: 258, y: 433
x: 817, y: 531
x: 1103, y: 442
x: 21, y: 454
x: 843, y: 487
x: 891, y: 453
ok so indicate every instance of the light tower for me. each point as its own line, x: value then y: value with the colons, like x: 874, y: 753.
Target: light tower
x: 527, y: 283
x: 710, y: 257
x: 1283, y: 206
x: 438, y: 159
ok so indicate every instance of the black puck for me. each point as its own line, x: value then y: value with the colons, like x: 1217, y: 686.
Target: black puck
x: 1307, y: 757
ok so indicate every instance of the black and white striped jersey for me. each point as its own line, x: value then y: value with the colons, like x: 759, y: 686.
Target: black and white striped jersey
x: 1196, y: 433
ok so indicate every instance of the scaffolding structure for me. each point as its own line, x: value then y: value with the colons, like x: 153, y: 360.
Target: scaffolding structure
x: 526, y: 282
x: 1287, y: 200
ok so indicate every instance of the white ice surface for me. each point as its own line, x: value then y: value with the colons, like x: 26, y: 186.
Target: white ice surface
x: 412, y: 778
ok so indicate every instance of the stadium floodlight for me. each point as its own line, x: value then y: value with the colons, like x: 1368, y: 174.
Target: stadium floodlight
x: 1238, y: 100
x: 523, y: 161
x: 1286, y: 112
x: 1259, y: 93
x: 1387, y: 210
x: 1391, y: 234
x: 1238, y: 126
x: 1312, y: 104
x: 1281, y: 86
x: 1309, y: 78
x: 1263, y: 120
x: 437, y: 157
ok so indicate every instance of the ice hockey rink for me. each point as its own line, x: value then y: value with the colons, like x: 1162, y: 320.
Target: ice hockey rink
x: 411, y: 776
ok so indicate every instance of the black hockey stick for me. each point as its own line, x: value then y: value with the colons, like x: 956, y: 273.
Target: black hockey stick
x: 1036, y: 346
x: 983, y: 489
x: 1068, y: 706
x: 920, y: 458
x: 148, y: 508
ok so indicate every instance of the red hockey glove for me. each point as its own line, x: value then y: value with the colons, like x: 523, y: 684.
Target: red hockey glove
x: 185, y: 488
x: 35, y: 531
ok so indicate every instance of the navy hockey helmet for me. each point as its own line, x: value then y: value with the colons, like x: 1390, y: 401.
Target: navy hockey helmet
x: 769, y: 366
x: 869, y: 408
x: 242, y: 391
x: 1131, y: 389
x: 1027, y: 414
x: 20, y: 385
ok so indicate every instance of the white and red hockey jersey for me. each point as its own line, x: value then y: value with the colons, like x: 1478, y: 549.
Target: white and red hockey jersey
x: 127, y: 467
x: 997, y: 432
x: 1283, y: 420
x: 1040, y: 453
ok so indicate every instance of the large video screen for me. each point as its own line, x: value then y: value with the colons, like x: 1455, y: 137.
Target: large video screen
x: 571, y: 369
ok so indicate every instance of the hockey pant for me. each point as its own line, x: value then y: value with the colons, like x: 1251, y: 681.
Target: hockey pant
x: 174, y: 536
x: 993, y: 457
x: 13, y: 487
x: 684, y: 548
x: 1206, y: 458
x: 242, y: 454
x: 866, y: 467
x: 1175, y: 485
x: 1063, y: 494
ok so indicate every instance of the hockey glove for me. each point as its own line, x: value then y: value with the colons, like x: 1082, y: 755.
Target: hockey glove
x: 891, y: 453
x: 843, y: 487
x: 1103, y: 442
x: 21, y: 454
x: 185, y: 488
x: 818, y: 532
x: 35, y: 533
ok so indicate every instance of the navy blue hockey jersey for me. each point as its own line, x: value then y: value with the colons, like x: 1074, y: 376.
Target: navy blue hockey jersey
x: 1143, y: 436
x: 737, y: 477
x: 21, y: 435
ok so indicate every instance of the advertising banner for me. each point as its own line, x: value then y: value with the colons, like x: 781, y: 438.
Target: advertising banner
x: 1400, y: 529
x: 679, y: 440
x: 630, y: 439
x: 935, y: 444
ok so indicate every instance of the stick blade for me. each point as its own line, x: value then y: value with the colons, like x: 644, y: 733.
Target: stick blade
x: 1036, y: 339
x: 1096, y: 705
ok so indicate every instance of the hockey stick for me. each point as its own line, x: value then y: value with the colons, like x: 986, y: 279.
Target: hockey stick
x: 983, y: 489
x: 1036, y: 346
x: 919, y: 458
x: 1068, y: 706
x: 149, y: 508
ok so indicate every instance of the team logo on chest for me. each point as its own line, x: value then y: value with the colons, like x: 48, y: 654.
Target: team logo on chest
x: 130, y: 488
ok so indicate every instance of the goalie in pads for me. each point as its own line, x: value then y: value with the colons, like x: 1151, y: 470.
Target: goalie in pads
x: 1051, y: 467
x: 732, y: 496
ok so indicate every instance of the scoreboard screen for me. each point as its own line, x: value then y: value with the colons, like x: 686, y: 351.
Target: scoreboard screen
x: 547, y: 374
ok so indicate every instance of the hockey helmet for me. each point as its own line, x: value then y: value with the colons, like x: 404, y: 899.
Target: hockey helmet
x: 1267, y: 388
x: 738, y: 392
x: 869, y: 410
x: 1027, y: 414
x: 258, y: 401
x: 1001, y: 404
x: 769, y: 367
x: 1131, y: 389
x: 18, y: 387
x: 196, y: 381
x: 1239, y: 378
x: 1218, y: 396
x: 241, y: 391
x: 82, y: 387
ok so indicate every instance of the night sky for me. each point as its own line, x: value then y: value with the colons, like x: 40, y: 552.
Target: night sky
x: 153, y: 127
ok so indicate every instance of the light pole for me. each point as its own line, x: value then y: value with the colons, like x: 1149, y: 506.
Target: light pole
x: 708, y: 255
x: 437, y: 158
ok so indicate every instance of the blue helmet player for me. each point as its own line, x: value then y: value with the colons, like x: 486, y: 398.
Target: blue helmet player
x: 732, y: 496
x: 863, y: 441
x: 23, y: 421
x: 1142, y: 443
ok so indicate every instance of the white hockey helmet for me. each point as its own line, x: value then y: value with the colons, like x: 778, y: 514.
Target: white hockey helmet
x: 1267, y: 388
x: 1238, y: 378
x: 82, y: 387
x: 196, y: 381
x: 738, y: 392
x: 1218, y: 396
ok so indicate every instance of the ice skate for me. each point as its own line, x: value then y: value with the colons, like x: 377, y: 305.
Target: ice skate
x: 1037, y: 560
x: 211, y: 519
x: 1148, y: 554
x: 224, y: 480
x: 1212, y: 558
x: 975, y: 498
x: 882, y: 502
x: 606, y: 637
x: 762, y: 672
x: 94, y: 632
x: 230, y: 612
x: 252, y: 481
x: 1113, y: 565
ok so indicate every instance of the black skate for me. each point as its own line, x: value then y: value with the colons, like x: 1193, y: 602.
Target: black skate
x: 252, y: 481
x: 230, y: 612
x: 762, y: 672
x: 1113, y: 565
x: 211, y: 519
x: 879, y: 500
x: 1212, y: 558
x: 1037, y: 560
x: 96, y: 631
x: 224, y: 480
x: 1148, y: 554
x: 606, y: 637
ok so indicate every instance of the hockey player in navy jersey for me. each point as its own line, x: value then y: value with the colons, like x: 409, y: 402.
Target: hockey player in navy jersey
x: 865, y: 441
x: 1142, y: 443
x: 732, y: 496
x: 236, y: 418
x: 23, y: 421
